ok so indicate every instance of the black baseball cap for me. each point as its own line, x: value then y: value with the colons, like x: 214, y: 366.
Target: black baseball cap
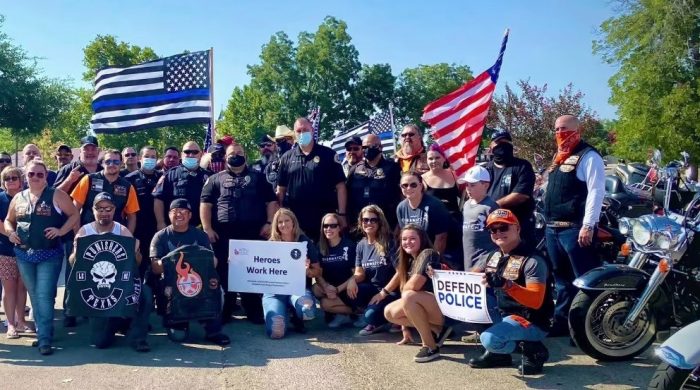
x: 180, y: 203
x: 265, y: 139
x: 88, y: 140
x: 103, y: 196
x: 214, y: 148
x: 501, y: 134
x: 353, y: 141
x: 64, y: 147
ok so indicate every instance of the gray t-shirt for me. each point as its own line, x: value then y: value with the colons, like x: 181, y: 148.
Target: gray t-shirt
x: 476, y: 240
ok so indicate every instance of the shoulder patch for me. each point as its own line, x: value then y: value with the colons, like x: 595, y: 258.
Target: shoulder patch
x: 572, y: 160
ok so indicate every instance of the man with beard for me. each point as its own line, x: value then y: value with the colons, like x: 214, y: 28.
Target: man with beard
x: 353, y: 153
x: 144, y: 181
x: 412, y: 156
x: 512, y: 183
x: 131, y: 161
x: 64, y: 155
x: 311, y: 181
x: 171, y: 158
x: 237, y: 204
x: 103, y: 329
x: 67, y: 179
x: 268, y: 149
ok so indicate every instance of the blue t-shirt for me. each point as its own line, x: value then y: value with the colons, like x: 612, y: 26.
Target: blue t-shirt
x: 431, y: 215
x: 339, y: 264
x: 378, y: 269
x: 6, y: 247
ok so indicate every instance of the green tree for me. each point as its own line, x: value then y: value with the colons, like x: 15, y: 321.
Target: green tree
x: 418, y: 86
x: 373, y: 91
x: 656, y: 45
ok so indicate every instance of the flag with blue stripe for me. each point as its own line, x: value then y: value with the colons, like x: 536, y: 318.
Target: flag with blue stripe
x: 164, y: 92
x: 338, y: 143
x: 382, y: 125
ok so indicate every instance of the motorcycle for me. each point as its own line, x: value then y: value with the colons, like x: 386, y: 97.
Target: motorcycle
x: 621, y: 309
x: 680, y: 366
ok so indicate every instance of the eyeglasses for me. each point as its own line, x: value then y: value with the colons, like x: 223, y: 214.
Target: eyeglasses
x: 330, y: 225
x: 12, y: 178
x: 499, y: 229
x: 112, y: 162
x: 188, y: 152
x: 408, y: 135
x: 412, y: 185
x: 370, y: 220
x: 39, y: 175
x: 5, y: 160
x: 353, y: 149
x: 129, y: 154
x: 106, y: 209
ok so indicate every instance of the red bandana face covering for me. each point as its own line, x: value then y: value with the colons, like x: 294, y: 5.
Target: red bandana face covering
x: 566, y: 142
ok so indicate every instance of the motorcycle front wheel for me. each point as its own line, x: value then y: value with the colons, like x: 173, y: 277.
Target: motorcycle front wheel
x: 596, y: 321
x: 668, y: 377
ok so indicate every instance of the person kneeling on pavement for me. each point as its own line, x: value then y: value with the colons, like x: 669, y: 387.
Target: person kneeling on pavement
x: 520, y: 279
x: 180, y: 233
x: 103, y: 329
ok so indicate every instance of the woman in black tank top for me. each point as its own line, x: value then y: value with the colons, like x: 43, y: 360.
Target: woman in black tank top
x: 440, y: 181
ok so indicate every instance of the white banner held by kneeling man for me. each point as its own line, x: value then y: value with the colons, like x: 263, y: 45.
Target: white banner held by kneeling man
x: 461, y: 296
x: 267, y: 267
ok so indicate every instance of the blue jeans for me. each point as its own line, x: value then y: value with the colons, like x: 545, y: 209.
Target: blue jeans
x: 569, y: 261
x: 41, y: 280
x: 502, y: 336
x: 276, y: 309
x: 374, y: 314
x: 102, y: 329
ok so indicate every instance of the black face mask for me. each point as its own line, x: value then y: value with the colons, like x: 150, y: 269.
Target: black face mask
x: 283, y: 146
x: 502, y: 153
x: 235, y: 161
x: 372, y: 152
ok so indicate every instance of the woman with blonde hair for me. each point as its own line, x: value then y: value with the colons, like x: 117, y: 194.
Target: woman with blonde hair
x: 374, y: 267
x: 417, y: 307
x: 285, y: 227
x: 11, y: 179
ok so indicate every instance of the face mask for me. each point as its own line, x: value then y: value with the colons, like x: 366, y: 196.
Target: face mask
x: 148, y: 164
x: 190, y: 163
x: 304, y: 138
x: 283, y: 146
x: 502, y: 153
x: 372, y: 152
x: 235, y: 161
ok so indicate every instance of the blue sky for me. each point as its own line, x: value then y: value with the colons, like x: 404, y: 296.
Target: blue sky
x: 550, y: 40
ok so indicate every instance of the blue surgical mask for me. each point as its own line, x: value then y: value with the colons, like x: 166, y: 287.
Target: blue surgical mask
x: 304, y: 138
x: 190, y: 163
x: 149, y: 164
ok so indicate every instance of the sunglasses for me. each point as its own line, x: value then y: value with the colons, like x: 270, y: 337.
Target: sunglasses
x: 12, y: 178
x: 408, y: 135
x: 412, y: 185
x: 39, y: 175
x: 194, y: 152
x: 112, y: 162
x: 370, y: 220
x: 330, y: 225
x: 5, y: 160
x: 499, y: 229
x: 265, y: 145
x: 353, y: 149
x: 129, y: 154
x: 106, y: 209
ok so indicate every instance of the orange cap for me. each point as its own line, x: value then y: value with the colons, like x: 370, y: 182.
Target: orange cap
x: 502, y: 216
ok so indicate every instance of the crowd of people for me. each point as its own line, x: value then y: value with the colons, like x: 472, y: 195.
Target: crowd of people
x: 376, y: 228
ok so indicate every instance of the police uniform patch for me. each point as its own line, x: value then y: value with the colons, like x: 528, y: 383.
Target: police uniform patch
x: 512, y: 269
x: 572, y: 160
x: 379, y: 174
x: 228, y: 182
x: 317, y: 159
x: 566, y: 168
x: 247, y: 179
x: 336, y: 158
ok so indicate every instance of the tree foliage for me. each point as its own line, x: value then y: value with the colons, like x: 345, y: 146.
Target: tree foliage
x: 656, y: 90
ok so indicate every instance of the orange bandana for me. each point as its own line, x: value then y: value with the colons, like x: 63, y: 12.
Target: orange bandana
x: 566, y: 142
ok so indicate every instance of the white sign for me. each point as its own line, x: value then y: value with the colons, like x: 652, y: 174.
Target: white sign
x: 461, y: 296
x: 268, y: 267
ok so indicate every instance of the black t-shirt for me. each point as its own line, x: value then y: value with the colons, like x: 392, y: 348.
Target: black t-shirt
x: 379, y: 269
x: 374, y: 185
x: 518, y: 177
x: 180, y: 182
x: 419, y: 266
x: 167, y: 240
x: 238, y: 198
x: 339, y: 264
x: 64, y: 172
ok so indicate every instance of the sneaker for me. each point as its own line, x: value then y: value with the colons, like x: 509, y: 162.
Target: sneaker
x: 339, y: 321
x: 371, y: 329
x: 443, y: 335
x: 360, y: 323
x: 426, y: 354
x: 471, y: 338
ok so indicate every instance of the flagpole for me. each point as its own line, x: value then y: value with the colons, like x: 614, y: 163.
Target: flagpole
x: 212, y: 123
x: 393, y: 125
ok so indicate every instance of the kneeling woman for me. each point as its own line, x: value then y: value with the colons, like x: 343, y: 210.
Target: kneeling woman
x: 285, y: 227
x: 417, y: 307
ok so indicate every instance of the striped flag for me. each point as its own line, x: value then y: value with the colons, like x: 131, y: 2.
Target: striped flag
x: 168, y: 91
x: 382, y: 126
x: 338, y: 143
x: 457, y: 119
x: 314, y: 116
x: 208, y: 138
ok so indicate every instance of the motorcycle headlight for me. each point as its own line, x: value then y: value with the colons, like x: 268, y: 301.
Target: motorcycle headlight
x: 663, y: 241
x: 641, y: 232
x: 625, y: 225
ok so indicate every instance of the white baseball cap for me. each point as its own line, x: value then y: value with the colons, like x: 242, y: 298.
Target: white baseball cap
x: 475, y: 174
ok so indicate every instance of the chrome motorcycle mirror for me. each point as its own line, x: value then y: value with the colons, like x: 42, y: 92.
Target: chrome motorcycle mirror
x: 656, y: 156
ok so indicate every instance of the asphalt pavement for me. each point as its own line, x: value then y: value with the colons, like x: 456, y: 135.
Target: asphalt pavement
x: 320, y: 359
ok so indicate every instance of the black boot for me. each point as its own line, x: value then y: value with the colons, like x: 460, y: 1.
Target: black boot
x: 491, y: 360
x: 535, y: 354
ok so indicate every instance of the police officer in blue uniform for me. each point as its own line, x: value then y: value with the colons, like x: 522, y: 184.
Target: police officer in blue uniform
x: 311, y: 181
x: 237, y: 204
x: 184, y: 181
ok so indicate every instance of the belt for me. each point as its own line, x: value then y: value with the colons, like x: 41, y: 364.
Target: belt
x: 561, y: 224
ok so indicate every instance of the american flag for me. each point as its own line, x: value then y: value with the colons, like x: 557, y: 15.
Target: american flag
x: 314, y: 116
x: 168, y: 91
x: 208, y: 137
x: 338, y: 143
x: 457, y: 119
x: 381, y: 125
